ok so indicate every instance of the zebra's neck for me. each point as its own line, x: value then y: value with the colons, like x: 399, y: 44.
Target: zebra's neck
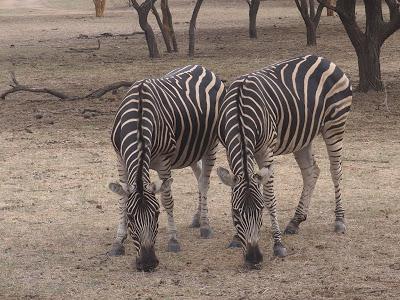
x: 246, y: 155
x: 143, y: 145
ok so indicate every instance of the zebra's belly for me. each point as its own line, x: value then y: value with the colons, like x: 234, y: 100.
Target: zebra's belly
x: 287, y: 143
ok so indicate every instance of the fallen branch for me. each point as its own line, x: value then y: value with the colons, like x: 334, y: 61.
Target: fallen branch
x: 86, y: 49
x: 17, y: 87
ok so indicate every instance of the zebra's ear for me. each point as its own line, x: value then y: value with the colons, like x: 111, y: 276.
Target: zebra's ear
x: 160, y: 186
x: 225, y: 176
x: 117, y: 188
x: 263, y: 175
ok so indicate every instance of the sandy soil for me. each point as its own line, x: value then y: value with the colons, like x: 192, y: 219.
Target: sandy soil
x: 58, y: 219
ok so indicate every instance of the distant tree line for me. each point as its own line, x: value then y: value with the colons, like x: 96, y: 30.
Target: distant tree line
x: 367, y: 44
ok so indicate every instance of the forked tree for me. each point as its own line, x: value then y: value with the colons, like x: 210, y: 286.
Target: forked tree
x: 143, y: 13
x: 100, y: 6
x: 311, y: 18
x: 192, y: 27
x: 168, y: 24
x: 368, y: 43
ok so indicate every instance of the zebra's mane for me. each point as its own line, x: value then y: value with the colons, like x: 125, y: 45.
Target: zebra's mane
x: 242, y: 133
x: 141, y: 144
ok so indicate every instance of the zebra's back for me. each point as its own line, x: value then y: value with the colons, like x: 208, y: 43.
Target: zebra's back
x: 294, y: 98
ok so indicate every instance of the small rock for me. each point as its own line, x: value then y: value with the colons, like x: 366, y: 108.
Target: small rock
x: 83, y: 36
x: 87, y: 115
x: 12, y: 46
x: 98, y: 206
x: 38, y: 116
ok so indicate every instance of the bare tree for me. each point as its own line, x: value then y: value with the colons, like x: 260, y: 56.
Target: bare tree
x: 164, y: 31
x: 100, y: 6
x: 368, y: 44
x: 168, y: 24
x: 253, y: 10
x: 311, y: 18
x: 192, y: 27
x: 143, y: 12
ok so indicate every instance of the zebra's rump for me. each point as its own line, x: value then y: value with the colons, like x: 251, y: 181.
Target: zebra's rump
x: 181, y: 109
x: 294, y: 99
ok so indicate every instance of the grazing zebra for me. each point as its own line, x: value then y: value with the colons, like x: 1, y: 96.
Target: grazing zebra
x: 273, y: 111
x: 164, y: 124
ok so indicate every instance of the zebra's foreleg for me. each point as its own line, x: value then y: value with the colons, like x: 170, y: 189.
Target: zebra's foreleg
x: 335, y: 157
x: 122, y: 231
x: 168, y: 204
x: 208, y: 162
x: 270, y: 202
x: 310, y: 172
x: 196, y: 168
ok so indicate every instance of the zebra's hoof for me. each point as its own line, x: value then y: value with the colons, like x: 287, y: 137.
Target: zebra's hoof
x: 173, y: 246
x: 195, y: 222
x: 279, y: 250
x: 235, y: 243
x: 340, y: 227
x: 117, y: 250
x: 205, y: 233
x: 291, y: 228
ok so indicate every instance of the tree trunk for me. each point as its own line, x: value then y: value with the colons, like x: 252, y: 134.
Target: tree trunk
x: 143, y: 12
x: 311, y: 34
x: 311, y: 18
x: 192, y: 27
x: 100, y: 6
x: 168, y: 24
x: 163, y: 30
x: 253, y: 10
x: 369, y: 67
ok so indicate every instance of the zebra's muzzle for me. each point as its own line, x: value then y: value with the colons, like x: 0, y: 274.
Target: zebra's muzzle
x: 147, y: 260
x: 253, y: 257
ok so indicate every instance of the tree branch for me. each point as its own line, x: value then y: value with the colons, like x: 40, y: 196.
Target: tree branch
x: 343, y: 13
x: 303, y: 8
x: 17, y: 87
x: 318, y: 14
x: 394, y: 23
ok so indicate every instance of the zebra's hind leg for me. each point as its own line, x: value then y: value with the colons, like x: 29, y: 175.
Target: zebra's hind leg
x: 334, y: 144
x: 207, y: 163
x: 168, y: 203
x: 310, y: 172
x: 122, y: 231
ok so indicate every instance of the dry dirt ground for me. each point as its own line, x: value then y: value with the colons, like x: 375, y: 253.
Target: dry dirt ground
x: 58, y: 219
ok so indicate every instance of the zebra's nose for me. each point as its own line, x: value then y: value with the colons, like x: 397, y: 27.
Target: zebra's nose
x: 147, y: 260
x: 253, y: 257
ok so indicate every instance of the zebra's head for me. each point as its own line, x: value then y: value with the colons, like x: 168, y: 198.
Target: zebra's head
x: 247, y: 208
x: 143, y: 211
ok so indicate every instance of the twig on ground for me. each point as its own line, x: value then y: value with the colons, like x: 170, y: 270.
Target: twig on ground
x: 17, y: 87
x: 86, y: 49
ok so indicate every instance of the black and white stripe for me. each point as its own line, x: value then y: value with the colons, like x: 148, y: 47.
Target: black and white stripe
x: 164, y: 124
x: 280, y: 110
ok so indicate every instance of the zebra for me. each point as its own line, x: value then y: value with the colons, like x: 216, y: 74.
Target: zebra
x: 164, y: 124
x: 279, y: 110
